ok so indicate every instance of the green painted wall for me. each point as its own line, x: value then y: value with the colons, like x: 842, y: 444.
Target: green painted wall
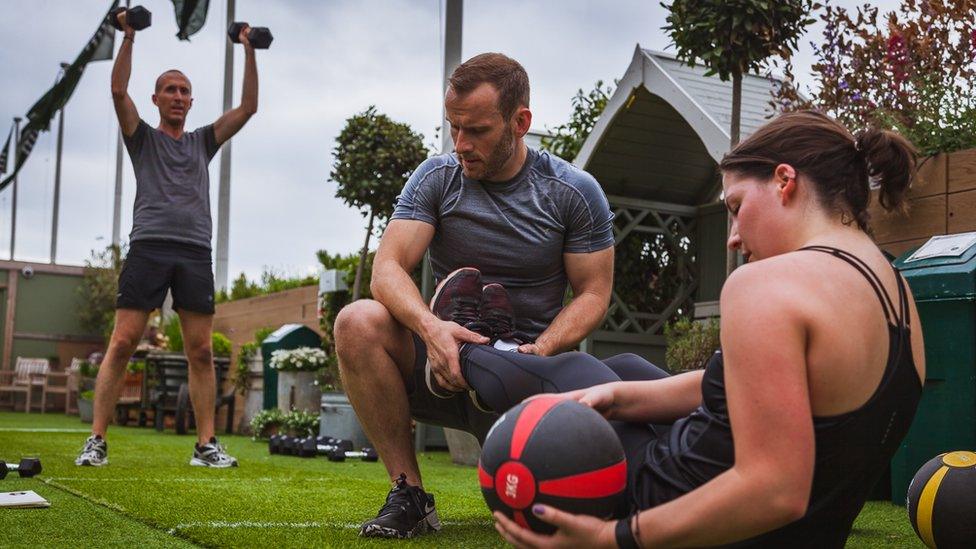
x: 710, y: 237
x: 48, y: 303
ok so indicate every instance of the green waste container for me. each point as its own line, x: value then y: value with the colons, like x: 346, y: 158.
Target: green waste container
x: 289, y: 336
x: 942, y: 276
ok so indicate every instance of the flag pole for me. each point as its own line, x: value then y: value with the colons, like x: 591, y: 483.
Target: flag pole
x: 57, y: 180
x: 13, y: 203
x: 223, y: 193
x: 117, y: 205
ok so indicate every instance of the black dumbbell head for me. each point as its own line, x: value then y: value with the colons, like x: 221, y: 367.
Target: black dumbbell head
x: 337, y: 455
x: 3, y: 470
x: 234, y: 31
x: 29, y: 467
x: 138, y: 17
x: 307, y: 447
x: 370, y: 454
x: 274, y: 444
x: 342, y: 444
x: 260, y: 37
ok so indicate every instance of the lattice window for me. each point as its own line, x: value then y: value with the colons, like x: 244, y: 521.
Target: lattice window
x: 655, y: 274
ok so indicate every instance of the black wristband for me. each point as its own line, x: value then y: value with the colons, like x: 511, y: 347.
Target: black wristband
x: 624, y: 535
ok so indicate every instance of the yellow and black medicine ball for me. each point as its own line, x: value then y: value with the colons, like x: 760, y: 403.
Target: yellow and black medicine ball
x: 942, y: 501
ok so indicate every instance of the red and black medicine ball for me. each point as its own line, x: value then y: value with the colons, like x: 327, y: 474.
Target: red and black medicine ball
x: 557, y: 452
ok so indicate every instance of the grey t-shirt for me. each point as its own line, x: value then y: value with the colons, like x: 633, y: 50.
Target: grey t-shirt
x: 172, y: 185
x: 514, y: 232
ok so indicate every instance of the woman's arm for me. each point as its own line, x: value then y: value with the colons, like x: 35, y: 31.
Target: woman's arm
x: 658, y: 401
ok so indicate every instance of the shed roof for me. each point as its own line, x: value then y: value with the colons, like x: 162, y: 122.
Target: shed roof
x: 666, y: 127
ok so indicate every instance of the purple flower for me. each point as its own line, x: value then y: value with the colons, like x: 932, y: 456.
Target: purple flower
x: 856, y: 97
x: 843, y: 85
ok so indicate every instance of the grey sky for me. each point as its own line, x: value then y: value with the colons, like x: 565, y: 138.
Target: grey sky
x: 329, y: 59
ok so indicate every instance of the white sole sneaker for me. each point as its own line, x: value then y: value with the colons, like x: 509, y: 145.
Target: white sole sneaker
x: 197, y: 462
x: 91, y: 463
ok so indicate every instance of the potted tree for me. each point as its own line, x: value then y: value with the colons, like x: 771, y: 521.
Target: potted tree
x: 297, y: 372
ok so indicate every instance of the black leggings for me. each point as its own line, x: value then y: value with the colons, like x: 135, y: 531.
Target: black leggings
x: 503, y: 379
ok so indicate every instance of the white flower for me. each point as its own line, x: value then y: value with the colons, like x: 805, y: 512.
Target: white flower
x: 300, y: 359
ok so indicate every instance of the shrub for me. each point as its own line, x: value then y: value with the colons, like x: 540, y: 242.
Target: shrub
x: 87, y: 395
x: 301, y: 423
x: 266, y: 420
x: 246, y: 351
x: 221, y: 344
x: 691, y: 343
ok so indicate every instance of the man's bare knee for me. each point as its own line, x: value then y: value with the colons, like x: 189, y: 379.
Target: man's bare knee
x: 123, y: 344
x: 200, y: 358
x: 361, y: 321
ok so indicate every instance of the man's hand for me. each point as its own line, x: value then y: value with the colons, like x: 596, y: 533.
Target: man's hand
x: 534, y: 349
x: 124, y: 21
x: 443, y: 338
x: 243, y: 39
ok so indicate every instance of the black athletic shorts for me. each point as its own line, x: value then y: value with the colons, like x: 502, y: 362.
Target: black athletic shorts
x: 153, y: 266
x: 457, y: 412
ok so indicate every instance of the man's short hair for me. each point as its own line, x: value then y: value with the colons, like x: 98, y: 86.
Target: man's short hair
x: 504, y: 73
x: 159, y: 79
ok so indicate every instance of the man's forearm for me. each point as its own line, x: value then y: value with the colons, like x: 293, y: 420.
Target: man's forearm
x: 249, y: 94
x: 394, y: 288
x: 122, y: 67
x: 583, y: 314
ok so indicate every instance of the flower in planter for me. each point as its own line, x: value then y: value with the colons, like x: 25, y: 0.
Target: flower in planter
x: 302, y: 359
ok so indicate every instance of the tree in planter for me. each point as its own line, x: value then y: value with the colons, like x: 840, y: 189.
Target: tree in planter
x: 735, y: 37
x: 374, y: 157
x: 99, y: 286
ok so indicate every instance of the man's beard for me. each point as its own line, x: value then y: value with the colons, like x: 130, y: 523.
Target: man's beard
x: 502, y: 152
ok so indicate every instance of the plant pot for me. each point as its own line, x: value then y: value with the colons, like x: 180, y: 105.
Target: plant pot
x: 254, y: 395
x: 338, y: 420
x: 298, y: 391
x: 86, y: 409
x: 464, y: 447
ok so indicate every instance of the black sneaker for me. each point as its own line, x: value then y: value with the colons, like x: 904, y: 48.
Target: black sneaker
x: 212, y: 454
x: 94, y: 454
x: 457, y: 299
x: 408, y: 512
x: 496, y: 311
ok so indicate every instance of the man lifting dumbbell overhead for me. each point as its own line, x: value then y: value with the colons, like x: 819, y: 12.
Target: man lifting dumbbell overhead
x: 170, y: 239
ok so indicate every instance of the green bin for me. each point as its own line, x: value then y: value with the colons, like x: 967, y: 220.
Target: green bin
x: 944, y: 286
x: 289, y: 336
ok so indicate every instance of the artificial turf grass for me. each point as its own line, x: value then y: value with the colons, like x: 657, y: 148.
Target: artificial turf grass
x: 149, y: 495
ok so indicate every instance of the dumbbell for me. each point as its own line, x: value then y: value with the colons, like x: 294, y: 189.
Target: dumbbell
x: 280, y: 444
x: 311, y: 447
x: 28, y: 467
x: 367, y: 454
x: 260, y: 37
x: 138, y: 17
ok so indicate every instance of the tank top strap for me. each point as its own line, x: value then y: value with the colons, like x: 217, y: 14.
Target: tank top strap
x: 892, y: 314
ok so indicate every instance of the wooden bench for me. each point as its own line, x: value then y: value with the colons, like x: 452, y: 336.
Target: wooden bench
x: 28, y: 374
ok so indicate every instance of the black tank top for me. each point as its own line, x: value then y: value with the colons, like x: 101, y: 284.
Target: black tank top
x: 852, y: 449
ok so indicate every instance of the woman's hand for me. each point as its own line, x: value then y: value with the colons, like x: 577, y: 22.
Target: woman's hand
x: 600, y: 397
x: 572, y: 530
